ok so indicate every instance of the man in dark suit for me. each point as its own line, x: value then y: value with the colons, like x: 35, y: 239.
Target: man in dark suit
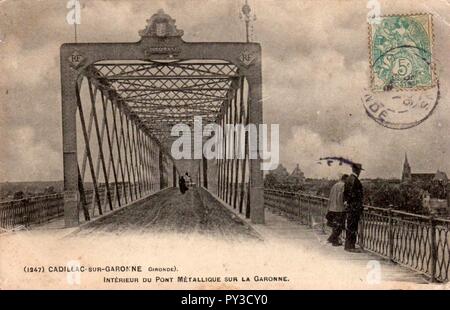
x: 353, y: 196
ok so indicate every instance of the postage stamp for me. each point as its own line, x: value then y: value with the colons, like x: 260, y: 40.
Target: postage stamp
x: 401, y: 53
x: 404, y: 88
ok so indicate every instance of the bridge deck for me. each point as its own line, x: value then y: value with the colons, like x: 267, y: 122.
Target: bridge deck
x: 171, y: 211
x: 289, y: 248
x: 198, y: 212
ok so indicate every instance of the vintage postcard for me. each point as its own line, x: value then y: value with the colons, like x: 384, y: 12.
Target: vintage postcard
x: 212, y: 144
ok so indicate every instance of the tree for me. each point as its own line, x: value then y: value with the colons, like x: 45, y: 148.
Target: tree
x: 411, y: 196
x: 19, y: 195
x: 277, y: 178
x: 270, y: 181
x: 386, y: 195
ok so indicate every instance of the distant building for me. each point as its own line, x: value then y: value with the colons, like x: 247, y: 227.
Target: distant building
x: 407, y: 175
x: 280, y: 178
x: 280, y: 172
x: 297, y: 176
x: 435, y: 198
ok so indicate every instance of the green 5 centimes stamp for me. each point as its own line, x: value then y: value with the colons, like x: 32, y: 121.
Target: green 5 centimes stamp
x: 401, y: 53
x: 403, y: 90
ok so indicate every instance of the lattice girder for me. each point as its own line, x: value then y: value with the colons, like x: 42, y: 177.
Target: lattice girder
x: 165, y: 94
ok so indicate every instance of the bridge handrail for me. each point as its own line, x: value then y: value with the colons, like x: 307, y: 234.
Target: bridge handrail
x: 30, y: 199
x: 366, y: 207
x: 417, y: 241
x: 32, y: 210
x: 40, y: 209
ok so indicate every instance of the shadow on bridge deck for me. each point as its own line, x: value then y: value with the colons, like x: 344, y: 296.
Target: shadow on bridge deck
x: 169, y: 211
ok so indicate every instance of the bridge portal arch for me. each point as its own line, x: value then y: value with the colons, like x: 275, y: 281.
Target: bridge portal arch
x: 119, y: 101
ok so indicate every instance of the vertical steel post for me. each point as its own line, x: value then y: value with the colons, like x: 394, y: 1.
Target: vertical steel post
x: 225, y: 153
x: 223, y: 158
x: 242, y: 121
x: 361, y: 231
x: 232, y: 147
x: 256, y: 174
x: 433, y: 248
x: 227, y: 142
x: 161, y: 169
x: 236, y: 145
x: 390, y: 235
x: 244, y: 164
x: 69, y: 137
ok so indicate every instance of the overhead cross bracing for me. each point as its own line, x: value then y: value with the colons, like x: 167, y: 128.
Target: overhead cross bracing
x: 163, y: 94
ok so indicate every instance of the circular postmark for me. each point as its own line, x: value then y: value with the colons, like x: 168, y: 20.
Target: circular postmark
x: 402, y: 102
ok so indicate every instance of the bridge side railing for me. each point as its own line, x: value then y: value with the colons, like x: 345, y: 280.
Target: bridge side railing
x: 419, y: 242
x: 34, y: 210
x: 43, y: 209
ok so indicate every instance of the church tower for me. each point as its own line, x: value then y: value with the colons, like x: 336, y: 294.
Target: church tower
x: 297, y: 176
x: 406, y: 175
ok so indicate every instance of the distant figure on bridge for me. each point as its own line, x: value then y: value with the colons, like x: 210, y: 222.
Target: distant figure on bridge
x: 353, y: 197
x: 187, y: 180
x: 336, y: 211
x: 182, y: 184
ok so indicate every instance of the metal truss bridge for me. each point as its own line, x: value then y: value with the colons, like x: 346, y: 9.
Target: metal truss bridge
x: 121, y: 100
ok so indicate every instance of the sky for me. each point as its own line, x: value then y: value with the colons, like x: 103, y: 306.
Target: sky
x: 315, y: 69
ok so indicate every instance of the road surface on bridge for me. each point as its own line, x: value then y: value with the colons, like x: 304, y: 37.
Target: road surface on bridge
x: 170, y: 211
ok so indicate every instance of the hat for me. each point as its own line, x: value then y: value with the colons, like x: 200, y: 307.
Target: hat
x: 357, y: 166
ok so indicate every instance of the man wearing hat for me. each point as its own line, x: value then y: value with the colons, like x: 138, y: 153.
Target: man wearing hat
x: 353, y: 197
